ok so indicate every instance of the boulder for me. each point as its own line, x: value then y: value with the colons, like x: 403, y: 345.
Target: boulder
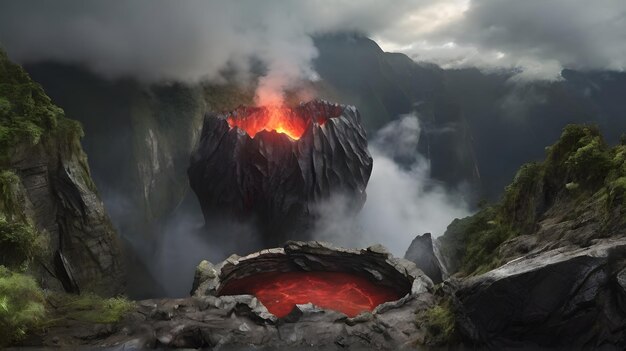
x: 424, y: 252
x: 568, y: 297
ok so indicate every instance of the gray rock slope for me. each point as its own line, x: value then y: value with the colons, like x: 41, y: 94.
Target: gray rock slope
x: 570, y: 297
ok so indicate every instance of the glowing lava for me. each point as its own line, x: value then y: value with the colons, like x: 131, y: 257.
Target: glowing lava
x: 273, y: 118
x: 343, y: 292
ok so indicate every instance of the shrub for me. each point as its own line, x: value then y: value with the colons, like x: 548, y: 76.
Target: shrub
x: 21, y: 306
x: 90, y: 308
x: 580, y: 156
x: 9, y: 183
x: 522, y: 197
x: 439, y: 322
x: 19, y: 244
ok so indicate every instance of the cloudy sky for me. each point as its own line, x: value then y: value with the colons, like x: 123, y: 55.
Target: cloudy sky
x: 188, y: 40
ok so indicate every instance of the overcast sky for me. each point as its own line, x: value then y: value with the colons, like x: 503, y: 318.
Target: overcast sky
x: 188, y: 40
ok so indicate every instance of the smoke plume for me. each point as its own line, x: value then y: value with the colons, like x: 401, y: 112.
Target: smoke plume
x: 402, y: 201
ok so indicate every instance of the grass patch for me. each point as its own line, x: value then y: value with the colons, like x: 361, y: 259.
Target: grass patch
x: 439, y: 323
x: 22, y: 306
x: 89, y: 308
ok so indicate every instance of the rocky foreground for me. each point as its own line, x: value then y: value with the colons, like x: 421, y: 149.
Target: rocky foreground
x: 206, y: 320
x: 569, y: 297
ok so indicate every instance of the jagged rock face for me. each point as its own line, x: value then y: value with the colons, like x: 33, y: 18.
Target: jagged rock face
x: 276, y: 179
x: 424, y: 252
x: 63, y: 204
x: 566, y: 298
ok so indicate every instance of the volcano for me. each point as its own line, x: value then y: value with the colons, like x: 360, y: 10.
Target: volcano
x: 277, y: 165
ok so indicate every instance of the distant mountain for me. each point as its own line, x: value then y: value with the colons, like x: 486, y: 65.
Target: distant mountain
x: 477, y: 128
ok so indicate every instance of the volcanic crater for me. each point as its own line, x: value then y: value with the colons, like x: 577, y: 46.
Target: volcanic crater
x: 277, y: 165
x: 344, y: 280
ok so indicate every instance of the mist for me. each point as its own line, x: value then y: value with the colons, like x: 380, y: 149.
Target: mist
x: 402, y: 200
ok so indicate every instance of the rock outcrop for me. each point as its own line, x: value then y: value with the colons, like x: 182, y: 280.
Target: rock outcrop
x: 63, y: 205
x: 47, y: 187
x: 275, y: 179
x: 570, y: 297
x: 424, y: 252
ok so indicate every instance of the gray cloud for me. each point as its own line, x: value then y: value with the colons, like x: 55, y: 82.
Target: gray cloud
x: 536, y: 37
x: 194, y: 39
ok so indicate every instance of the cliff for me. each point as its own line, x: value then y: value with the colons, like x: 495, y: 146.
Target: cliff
x: 52, y: 222
x: 545, y: 266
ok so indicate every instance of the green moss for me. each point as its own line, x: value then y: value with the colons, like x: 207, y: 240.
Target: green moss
x: 617, y: 193
x: 10, y: 203
x: 22, y: 306
x: 580, y: 172
x: 522, y: 197
x: 89, y: 308
x: 479, y: 237
x: 580, y: 155
x: 20, y: 244
x: 439, y: 323
x: 26, y: 112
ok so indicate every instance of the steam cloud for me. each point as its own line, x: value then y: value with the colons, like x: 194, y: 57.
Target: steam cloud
x: 402, y: 201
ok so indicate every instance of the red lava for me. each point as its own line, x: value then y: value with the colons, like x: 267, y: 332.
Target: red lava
x: 343, y: 292
x: 271, y: 118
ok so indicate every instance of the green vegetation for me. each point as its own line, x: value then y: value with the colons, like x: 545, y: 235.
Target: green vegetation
x: 26, y: 112
x: 580, y: 169
x: 89, y: 308
x: 21, y: 306
x: 27, y: 115
x: 439, y: 322
x: 20, y: 244
x: 10, y: 202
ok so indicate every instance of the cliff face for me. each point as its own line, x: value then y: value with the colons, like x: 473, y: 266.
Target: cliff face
x: 54, y: 223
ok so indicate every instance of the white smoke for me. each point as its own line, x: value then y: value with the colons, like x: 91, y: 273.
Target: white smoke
x: 402, y: 201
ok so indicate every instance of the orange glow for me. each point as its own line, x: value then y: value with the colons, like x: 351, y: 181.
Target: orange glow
x: 281, y: 291
x: 273, y: 118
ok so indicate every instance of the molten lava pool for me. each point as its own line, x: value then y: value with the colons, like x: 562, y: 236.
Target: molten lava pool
x: 343, y: 292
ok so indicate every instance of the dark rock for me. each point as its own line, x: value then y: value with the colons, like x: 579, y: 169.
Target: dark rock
x: 276, y: 180
x: 424, y: 252
x: 566, y: 297
x: 65, y: 273
x: 62, y: 202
